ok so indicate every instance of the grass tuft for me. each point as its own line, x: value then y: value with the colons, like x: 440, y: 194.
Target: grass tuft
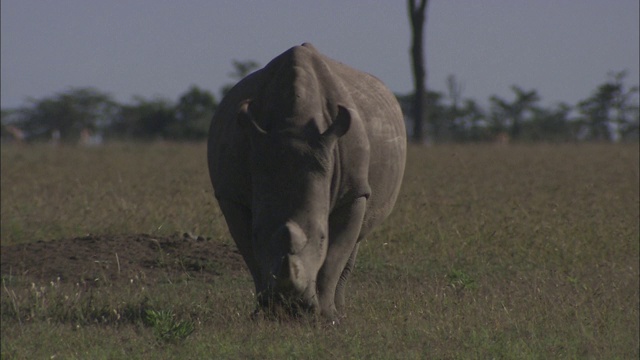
x: 166, y: 327
x: 460, y: 280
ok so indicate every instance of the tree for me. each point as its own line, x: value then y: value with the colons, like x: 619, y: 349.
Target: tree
x: 67, y: 114
x: 439, y: 125
x: 610, y: 112
x: 470, y: 123
x: 455, y: 122
x: 509, y: 116
x: 193, y: 115
x: 418, y: 17
x: 240, y: 70
x: 549, y: 124
x: 145, y: 119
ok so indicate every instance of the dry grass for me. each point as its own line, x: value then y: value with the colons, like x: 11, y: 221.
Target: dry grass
x: 491, y: 252
x: 48, y: 193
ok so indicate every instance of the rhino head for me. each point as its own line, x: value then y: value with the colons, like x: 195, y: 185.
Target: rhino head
x: 291, y: 178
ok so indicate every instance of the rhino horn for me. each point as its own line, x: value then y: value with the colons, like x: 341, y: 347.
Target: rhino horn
x: 295, y: 236
x: 290, y: 271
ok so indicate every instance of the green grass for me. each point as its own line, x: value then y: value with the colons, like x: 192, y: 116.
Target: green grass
x: 527, y: 252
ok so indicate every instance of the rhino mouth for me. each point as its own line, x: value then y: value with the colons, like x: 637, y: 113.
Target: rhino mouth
x: 284, y: 303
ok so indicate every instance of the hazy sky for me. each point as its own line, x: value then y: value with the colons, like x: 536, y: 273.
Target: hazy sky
x: 564, y: 49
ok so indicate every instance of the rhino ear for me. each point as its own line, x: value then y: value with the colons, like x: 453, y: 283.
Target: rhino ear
x: 340, y: 125
x: 246, y: 120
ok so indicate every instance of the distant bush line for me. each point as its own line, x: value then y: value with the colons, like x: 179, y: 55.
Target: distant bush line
x: 87, y: 115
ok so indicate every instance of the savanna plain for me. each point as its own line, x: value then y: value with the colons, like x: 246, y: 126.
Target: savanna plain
x: 518, y: 251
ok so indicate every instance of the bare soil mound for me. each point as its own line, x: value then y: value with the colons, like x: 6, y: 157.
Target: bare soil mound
x: 101, y: 259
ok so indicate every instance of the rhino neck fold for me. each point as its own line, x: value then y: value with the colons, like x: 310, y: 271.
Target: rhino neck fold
x: 336, y: 178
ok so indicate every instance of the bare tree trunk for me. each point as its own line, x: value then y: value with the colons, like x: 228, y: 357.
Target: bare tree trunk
x: 417, y: 15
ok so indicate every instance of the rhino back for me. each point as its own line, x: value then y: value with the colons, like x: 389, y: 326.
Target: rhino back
x: 371, y: 155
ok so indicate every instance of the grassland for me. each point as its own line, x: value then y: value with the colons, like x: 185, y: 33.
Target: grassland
x: 524, y: 251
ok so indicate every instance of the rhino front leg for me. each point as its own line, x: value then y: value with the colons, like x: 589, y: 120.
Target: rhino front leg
x: 340, y: 289
x: 344, y: 228
x: 238, y: 218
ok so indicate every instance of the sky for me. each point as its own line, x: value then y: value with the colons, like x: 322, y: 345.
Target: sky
x: 160, y: 48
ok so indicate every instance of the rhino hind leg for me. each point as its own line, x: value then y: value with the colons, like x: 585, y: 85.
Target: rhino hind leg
x: 340, y: 288
x: 344, y: 228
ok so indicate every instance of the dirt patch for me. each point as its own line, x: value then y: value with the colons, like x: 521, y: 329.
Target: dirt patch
x: 101, y: 259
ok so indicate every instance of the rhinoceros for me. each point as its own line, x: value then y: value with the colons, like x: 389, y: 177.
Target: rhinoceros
x: 306, y: 156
